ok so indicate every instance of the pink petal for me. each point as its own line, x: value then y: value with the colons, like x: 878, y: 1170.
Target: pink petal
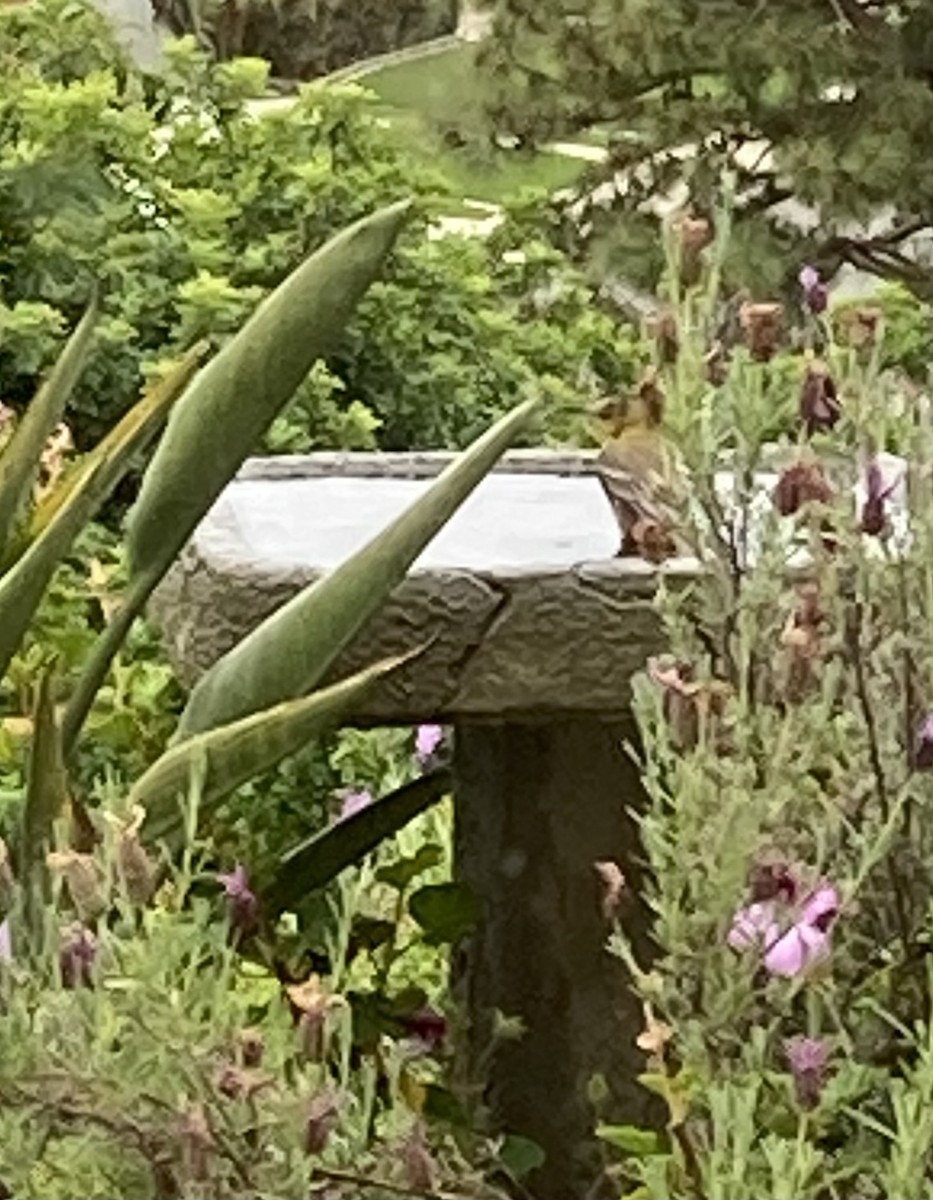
x: 809, y: 278
x: 823, y: 901
x: 354, y: 802
x: 6, y: 942
x: 427, y: 740
x: 798, y: 949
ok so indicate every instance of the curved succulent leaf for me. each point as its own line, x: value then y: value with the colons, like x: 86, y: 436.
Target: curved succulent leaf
x: 317, y: 861
x: 46, y: 797
x: 243, y: 388
x: 289, y: 653
x: 20, y: 459
x: 23, y: 585
x: 234, y: 753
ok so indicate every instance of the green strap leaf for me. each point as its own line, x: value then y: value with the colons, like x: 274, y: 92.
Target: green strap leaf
x: 20, y: 458
x: 23, y: 585
x: 245, y: 386
x: 236, y: 752
x: 289, y: 653
x: 315, y: 862
x: 46, y: 798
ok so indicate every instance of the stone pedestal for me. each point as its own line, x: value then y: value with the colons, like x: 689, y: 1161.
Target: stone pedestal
x: 537, y: 806
x: 535, y: 631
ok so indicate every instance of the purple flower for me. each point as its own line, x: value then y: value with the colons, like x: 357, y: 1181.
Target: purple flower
x: 753, y: 926
x: 820, y: 907
x: 354, y: 801
x: 923, y: 746
x: 874, y: 519
x: 242, y: 902
x: 770, y: 881
x: 76, y: 957
x: 800, y: 948
x: 427, y: 1027
x: 791, y: 945
x: 427, y: 742
x: 807, y: 1058
x: 815, y: 291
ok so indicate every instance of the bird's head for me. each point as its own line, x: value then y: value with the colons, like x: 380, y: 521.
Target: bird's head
x: 641, y: 408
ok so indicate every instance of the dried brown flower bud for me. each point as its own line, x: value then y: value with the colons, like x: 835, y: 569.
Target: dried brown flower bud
x: 763, y: 327
x: 612, y: 881
x: 312, y: 1003
x: 803, y: 483
x: 662, y: 328
x: 803, y: 641
x: 323, y: 1115
x: 83, y: 880
x: 696, y: 233
x: 420, y: 1170
x: 251, y: 1047
x: 240, y: 1083
x: 819, y: 404
x: 76, y: 956
x: 688, y: 704
x: 716, y: 362
x: 651, y: 395
x: 137, y: 870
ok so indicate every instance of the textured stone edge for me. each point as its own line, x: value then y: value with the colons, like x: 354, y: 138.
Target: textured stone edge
x: 521, y: 644
x: 415, y: 464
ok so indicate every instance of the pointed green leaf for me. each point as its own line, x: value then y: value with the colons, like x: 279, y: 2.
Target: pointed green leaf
x: 20, y: 459
x: 136, y: 427
x: 236, y: 752
x: 240, y: 392
x: 404, y: 871
x: 630, y: 1139
x: 23, y: 585
x: 446, y: 912
x: 46, y: 794
x: 520, y: 1156
x: 291, y: 650
x: 321, y: 858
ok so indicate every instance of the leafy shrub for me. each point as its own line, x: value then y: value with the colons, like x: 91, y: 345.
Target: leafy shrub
x: 187, y: 208
x: 787, y: 749
x: 908, y: 328
x: 130, y: 1070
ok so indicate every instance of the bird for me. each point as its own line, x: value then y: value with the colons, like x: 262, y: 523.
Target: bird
x: 638, y: 469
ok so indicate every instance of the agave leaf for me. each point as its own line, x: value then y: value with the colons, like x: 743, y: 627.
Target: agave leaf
x: 20, y: 458
x: 289, y: 653
x: 236, y: 752
x: 142, y: 422
x: 244, y: 387
x: 46, y: 794
x: 317, y: 861
x: 23, y: 585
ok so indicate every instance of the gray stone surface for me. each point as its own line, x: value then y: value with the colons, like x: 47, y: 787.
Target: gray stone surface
x: 527, y: 608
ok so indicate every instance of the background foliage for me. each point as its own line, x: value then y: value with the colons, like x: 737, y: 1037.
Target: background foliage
x: 187, y: 208
x: 813, y: 84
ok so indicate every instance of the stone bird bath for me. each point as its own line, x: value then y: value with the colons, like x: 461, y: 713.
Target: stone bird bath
x: 536, y: 630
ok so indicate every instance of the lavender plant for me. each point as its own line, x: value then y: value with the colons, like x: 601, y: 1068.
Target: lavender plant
x: 787, y: 750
